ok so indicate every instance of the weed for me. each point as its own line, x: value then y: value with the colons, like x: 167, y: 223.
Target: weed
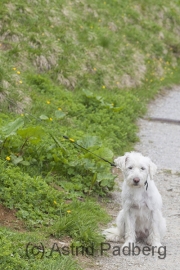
x: 86, y: 71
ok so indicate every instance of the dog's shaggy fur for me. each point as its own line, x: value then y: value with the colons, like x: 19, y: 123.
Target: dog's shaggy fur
x: 141, y: 215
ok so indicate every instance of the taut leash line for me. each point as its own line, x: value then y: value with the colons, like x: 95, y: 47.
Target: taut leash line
x: 112, y: 164
x: 73, y: 141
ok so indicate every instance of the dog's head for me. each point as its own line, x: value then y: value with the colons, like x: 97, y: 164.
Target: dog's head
x: 136, y: 168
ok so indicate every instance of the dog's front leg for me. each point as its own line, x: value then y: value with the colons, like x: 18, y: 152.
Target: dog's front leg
x: 154, y: 238
x: 130, y: 235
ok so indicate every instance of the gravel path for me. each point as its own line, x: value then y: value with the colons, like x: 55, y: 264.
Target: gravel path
x: 160, y: 140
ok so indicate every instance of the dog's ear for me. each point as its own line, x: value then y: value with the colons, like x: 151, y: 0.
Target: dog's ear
x: 120, y: 162
x: 152, y: 169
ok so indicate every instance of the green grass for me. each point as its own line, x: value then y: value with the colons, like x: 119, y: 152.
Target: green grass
x: 83, y: 70
x: 17, y: 252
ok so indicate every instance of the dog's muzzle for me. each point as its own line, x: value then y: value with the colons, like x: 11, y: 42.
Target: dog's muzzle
x: 136, y: 181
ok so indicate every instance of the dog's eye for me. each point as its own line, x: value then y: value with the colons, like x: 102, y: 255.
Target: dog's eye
x: 142, y: 168
x: 130, y: 168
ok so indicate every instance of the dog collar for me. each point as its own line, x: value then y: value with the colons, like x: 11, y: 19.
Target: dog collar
x: 146, y: 184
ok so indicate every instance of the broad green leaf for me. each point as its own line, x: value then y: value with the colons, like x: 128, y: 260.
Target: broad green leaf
x: 43, y: 117
x: 16, y: 160
x: 104, y: 153
x: 104, y: 183
x: 105, y: 180
x: 31, y: 132
x: 89, y: 141
x: 25, y: 163
x: 101, y: 176
x: 11, y: 128
x: 99, y: 98
x: 88, y: 93
x: 59, y: 114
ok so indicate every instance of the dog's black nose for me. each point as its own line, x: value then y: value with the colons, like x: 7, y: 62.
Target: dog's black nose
x: 136, y: 180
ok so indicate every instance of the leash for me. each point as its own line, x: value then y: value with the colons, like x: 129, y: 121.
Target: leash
x: 73, y: 141
x: 112, y: 164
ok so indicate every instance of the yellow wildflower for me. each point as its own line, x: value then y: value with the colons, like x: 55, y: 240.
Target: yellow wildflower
x: 14, y: 68
x: 103, y: 86
x: 8, y: 158
x: 48, y: 102
x: 50, y: 119
x: 55, y: 202
x: 68, y: 211
x: 20, y: 82
x: 18, y: 72
x: 59, y: 109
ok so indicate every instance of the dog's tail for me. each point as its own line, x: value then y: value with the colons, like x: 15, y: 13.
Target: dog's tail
x: 112, y: 234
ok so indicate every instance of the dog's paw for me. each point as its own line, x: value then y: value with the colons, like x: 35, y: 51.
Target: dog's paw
x: 111, y: 234
x: 154, y: 245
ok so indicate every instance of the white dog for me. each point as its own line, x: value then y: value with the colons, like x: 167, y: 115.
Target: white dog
x: 141, y: 215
